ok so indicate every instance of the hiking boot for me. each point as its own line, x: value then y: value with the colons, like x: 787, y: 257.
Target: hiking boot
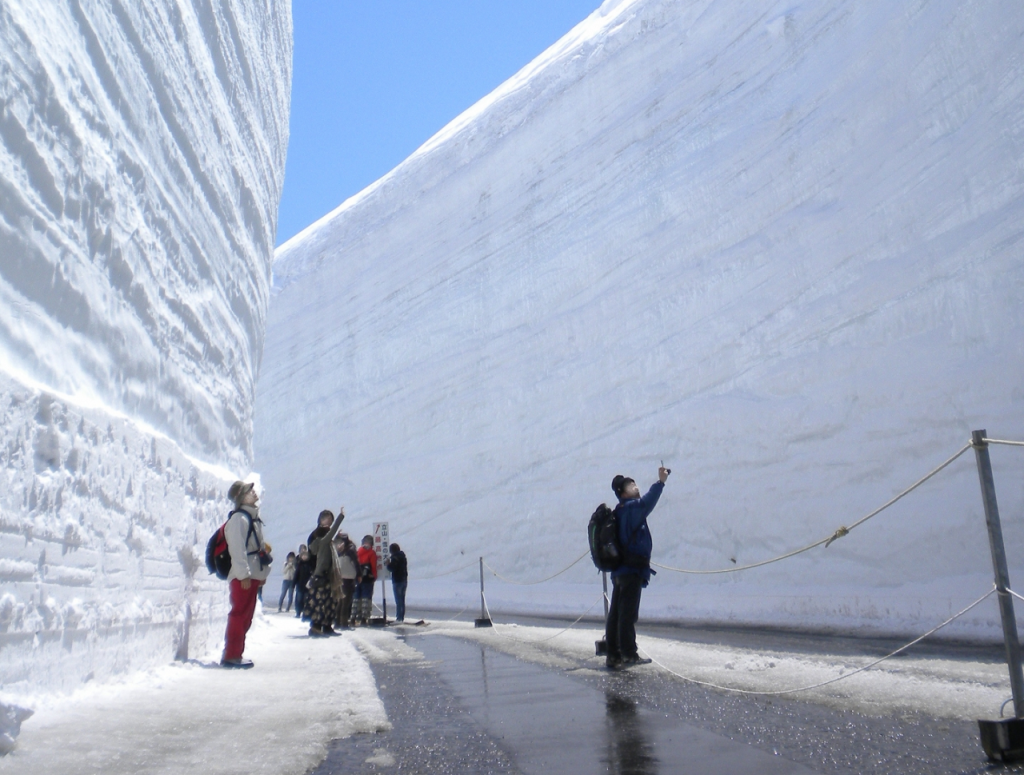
x: 328, y: 630
x: 238, y: 664
x: 613, y: 663
x: 316, y: 632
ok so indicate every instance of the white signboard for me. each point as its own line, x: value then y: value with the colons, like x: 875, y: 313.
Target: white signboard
x: 382, y: 546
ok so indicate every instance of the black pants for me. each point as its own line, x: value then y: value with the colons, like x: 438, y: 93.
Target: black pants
x: 620, y: 632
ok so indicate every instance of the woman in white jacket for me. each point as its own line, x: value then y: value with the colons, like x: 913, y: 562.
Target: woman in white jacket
x: 249, y: 569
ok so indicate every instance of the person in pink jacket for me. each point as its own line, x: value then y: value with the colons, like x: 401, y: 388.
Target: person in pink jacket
x: 250, y: 567
x: 363, y: 605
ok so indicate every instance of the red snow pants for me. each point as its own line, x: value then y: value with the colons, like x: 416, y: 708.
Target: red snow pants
x: 243, y: 606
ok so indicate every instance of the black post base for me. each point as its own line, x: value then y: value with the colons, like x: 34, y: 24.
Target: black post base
x: 378, y: 621
x: 1002, y: 739
x: 482, y: 623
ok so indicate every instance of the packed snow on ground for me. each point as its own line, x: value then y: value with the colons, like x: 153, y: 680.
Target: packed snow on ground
x: 776, y: 245
x: 276, y: 718
x: 142, y: 152
x: 302, y: 693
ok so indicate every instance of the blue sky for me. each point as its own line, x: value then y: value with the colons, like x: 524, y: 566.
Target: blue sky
x: 374, y: 79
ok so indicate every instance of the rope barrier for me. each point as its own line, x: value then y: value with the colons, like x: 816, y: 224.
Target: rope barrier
x: 868, y: 666
x: 460, y: 613
x: 541, y: 581
x: 545, y: 640
x: 490, y: 618
x: 495, y: 625
x: 1004, y: 441
x: 839, y: 533
x: 1015, y: 594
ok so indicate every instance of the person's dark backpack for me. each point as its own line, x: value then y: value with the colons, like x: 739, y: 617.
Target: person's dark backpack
x: 603, y: 533
x: 218, y: 559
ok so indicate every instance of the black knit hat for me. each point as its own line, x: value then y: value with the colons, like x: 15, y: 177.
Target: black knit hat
x: 619, y: 483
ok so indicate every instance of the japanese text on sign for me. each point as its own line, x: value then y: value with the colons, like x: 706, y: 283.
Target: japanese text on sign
x: 382, y: 546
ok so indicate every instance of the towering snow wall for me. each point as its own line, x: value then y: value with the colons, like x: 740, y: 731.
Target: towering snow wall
x: 777, y: 245
x: 142, y: 152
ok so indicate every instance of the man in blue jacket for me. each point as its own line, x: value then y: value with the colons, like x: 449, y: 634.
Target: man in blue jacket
x: 629, y: 579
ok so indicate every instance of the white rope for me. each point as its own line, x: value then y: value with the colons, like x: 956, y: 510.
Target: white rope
x: 545, y: 640
x: 831, y: 680
x: 490, y: 618
x: 842, y: 531
x: 1015, y: 594
x: 487, y: 610
x: 1003, y: 441
x: 494, y: 625
x: 541, y: 581
x: 460, y: 613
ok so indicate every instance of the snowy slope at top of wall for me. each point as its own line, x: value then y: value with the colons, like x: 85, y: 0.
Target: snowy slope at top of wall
x: 777, y: 245
x: 142, y: 150
x: 484, y: 123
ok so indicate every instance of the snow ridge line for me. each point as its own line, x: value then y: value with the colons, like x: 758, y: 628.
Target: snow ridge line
x: 868, y: 666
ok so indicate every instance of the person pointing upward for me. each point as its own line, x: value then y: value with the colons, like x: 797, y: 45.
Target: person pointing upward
x: 630, y: 578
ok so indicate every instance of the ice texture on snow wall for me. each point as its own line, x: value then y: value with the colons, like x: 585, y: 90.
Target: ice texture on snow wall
x: 102, y: 533
x: 142, y: 154
x: 776, y: 245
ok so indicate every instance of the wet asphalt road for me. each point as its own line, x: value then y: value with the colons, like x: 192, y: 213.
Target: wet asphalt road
x: 472, y: 709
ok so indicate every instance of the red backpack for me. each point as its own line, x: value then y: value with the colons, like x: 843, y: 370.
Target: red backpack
x: 218, y: 559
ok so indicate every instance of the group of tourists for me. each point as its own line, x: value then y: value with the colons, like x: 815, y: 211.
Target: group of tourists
x: 329, y: 579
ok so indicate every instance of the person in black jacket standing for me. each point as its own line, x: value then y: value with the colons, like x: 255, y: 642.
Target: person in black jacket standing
x: 303, y: 570
x: 399, y: 568
x: 631, y: 577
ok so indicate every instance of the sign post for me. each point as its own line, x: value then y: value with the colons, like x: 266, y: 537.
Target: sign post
x: 382, y: 546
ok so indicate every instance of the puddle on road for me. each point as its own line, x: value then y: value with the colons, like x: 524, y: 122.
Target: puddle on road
x: 550, y: 723
x: 475, y: 710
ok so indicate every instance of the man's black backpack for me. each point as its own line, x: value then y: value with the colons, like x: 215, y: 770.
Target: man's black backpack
x: 603, y: 532
x: 218, y: 559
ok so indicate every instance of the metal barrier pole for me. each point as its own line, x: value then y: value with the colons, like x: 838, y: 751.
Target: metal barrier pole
x: 604, y: 586
x: 601, y: 646
x: 484, y: 620
x: 995, y: 538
